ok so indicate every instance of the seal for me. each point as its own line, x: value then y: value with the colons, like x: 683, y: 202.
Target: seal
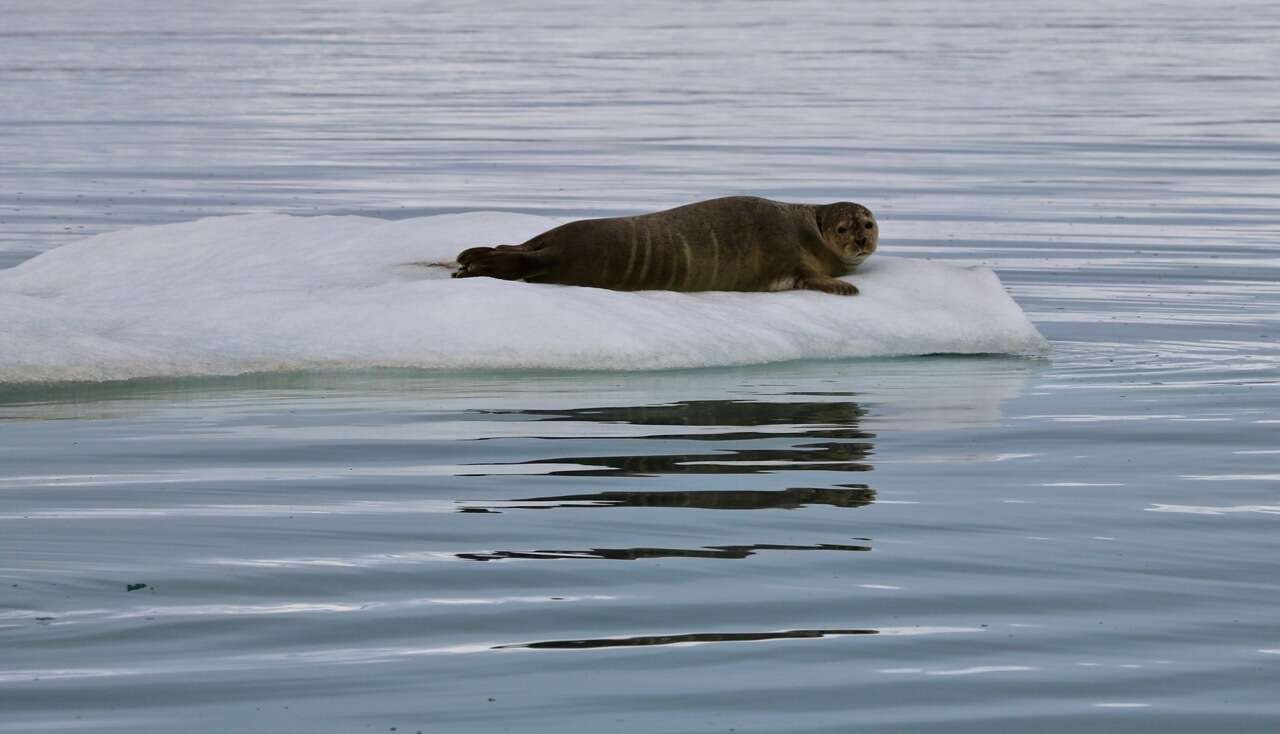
x: 736, y: 243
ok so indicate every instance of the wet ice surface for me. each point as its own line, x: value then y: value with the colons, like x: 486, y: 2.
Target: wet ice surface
x: 926, y: 544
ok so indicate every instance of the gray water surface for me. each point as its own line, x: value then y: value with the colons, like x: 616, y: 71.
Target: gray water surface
x: 1083, y: 542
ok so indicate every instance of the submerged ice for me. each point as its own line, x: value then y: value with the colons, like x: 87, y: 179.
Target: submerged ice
x: 255, y: 293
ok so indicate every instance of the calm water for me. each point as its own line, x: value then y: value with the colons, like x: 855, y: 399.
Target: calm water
x: 1084, y: 542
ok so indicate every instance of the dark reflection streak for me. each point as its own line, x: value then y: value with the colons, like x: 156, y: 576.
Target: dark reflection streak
x: 848, y: 495
x: 708, y: 413
x: 801, y: 431
x: 840, y: 446
x: 816, y: 457
x: 651, y: 466
x: 839, y: 457
x: 634, y: 554
x: 677, y: 639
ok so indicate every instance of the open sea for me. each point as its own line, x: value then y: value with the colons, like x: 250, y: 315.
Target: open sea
x: 1087, y: 541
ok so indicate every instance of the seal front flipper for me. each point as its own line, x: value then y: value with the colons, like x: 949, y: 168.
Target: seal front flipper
x: 826, y: 284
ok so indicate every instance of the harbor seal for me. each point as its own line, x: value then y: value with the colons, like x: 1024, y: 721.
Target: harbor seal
x: 736, y: 243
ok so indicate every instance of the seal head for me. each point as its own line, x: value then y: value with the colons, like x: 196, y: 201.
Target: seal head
x: 849, y: 229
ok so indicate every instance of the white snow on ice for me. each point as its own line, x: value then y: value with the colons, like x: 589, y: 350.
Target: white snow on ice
x: 268, y: 292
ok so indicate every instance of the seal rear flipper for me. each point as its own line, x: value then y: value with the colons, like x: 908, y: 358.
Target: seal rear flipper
x: 507, y: 262
x: 470, y: 254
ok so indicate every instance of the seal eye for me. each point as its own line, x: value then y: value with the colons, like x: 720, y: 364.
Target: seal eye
x: 841, y: 229
x: 869, y: 225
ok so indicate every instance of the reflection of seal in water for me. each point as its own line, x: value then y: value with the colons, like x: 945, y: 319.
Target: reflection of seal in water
x: 738, y: 243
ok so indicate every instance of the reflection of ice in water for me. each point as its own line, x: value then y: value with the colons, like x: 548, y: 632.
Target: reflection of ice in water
x: 891, y: 395
x: 946, y: 394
